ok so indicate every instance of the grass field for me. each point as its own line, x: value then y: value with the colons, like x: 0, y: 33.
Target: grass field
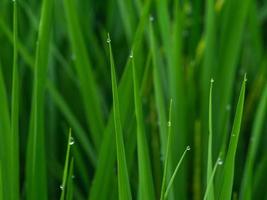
x: 133, y: 99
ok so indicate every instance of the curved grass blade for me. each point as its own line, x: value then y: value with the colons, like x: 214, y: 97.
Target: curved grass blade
x: 167, y: 155
x: 228, y: 170
x: 15, y: 110
x: 209, y: 164
x: 66, y: 167
x: 146, y: 187
x: 247, y: 182
x: 123, y: 179
x: 36, y: 179
x: 175, y: 172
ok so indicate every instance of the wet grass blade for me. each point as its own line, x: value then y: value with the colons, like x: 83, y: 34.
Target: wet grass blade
x: 229, y: 166
x: 210, y: 180
x: 209, y: 163
x: 175, y: 172
x: 146, y: 187
x: 247, y: 183
x: 66, y: 167
x: 167, y: 155
x: 123, y: 177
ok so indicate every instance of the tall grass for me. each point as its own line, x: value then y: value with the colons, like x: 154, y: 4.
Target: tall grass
x: 60, y: 71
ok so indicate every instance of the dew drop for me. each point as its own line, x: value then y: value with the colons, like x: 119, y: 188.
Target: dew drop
x: 233, y: 135
x: 219, y: 161
x: 71, y: 141
x: 151, y: 18
x: 61, y: 187
x: 212, y: 80
x: 188, y: 148
x: 131, y: 55
x: 169, y: 124
x: 108, y: 40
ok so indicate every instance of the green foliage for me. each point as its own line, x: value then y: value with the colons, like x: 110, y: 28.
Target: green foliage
x: 56, y: 73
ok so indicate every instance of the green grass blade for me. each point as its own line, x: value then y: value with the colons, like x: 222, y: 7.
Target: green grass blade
x: 210, y: 180
x: 5, y: 150
x: 66, y: 167
x: 36, y: 180
x: 229, y: 166
x: 175, y: 172
x: 247, y: 182
x: 69, y: 195
x: 209, y: 163
x: 91, y: 98
x: 232, y: 29
x: 15, y: 111
x: 167, y: 155
x: 146, y: 187
x: 123, y: 178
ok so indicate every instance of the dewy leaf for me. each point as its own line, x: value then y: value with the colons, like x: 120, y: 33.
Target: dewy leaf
x: 229, y: 166
x: 123, y: 178
x: 146, y: 187
x: 209, y: 164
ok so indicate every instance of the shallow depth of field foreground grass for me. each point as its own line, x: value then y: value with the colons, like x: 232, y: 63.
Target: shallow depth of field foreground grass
x: 133, y: 99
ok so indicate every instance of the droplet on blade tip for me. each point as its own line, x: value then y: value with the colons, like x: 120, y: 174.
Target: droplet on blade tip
x: 71, y: 141
x: 219, y: 161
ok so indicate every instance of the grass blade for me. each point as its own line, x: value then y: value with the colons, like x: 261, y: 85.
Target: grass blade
x: 167, y: 155
x: 209, y: 164
x: 123, y: 178
x: 228, y: 170
x: 69, y: 194
x: 66, y: 167
x: 175, y: 172
x: 210, y: 180
x: 146, y: 187
x: 246, y: 186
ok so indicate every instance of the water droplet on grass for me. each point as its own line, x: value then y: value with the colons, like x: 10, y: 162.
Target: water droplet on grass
x: 169, y: 123
x: 151, y: 18
x: 219, y: 161
x: 61, y: 187
x: 71, y: 141
x: 188, y: 148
